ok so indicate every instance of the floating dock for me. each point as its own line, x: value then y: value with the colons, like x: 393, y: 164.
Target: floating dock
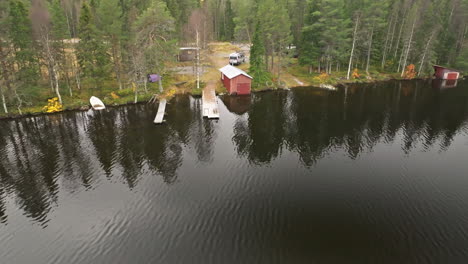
x: 161, y: 110
x: 209, y: 103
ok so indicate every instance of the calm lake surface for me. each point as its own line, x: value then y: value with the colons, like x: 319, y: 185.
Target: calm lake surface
x: 366, y: 174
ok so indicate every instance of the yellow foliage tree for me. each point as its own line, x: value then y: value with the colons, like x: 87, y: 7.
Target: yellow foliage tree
x: 355, y: 74
x: 114, y: 95
x: 410, y: 73
x: 322, y: 78
x: 53, y: 105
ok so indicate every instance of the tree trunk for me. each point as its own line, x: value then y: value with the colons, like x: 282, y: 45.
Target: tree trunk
x: 20, y: 102
x: 51, y: 62
x: 116, y: 59
x: 408, y: 49
x: 136, y: 92
x: 279, y: 67
x: 160, y: 84
x: 57, y: 91
x: 4, y: 101
x: 401, y: 58
x: 272, y: 59
x: 369, y: 51
x: 386, y: 42
x: 248, y: 34
x: 421, y: 64
x: 399, y: 37
x: 352, y: 48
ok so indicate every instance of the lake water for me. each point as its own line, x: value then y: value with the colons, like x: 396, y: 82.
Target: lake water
x: 366, y: 174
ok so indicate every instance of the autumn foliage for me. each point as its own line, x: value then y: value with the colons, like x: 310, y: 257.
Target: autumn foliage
x: 53, y: 105
x: 114, y: 95
x: 322, y: 78
x: 355, y: 74
x: 410, y: 73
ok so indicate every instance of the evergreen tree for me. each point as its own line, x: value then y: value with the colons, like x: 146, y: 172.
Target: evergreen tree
x: 310, y: 49
x: 58, y: 21
x: 91, y: 51
x: 258, y: 68
x: 110, y: 25
x: 229, y: 22
x: 462, y: 60
x: 20, y: 34
x: 276, y: 27
x: 154, y: 42
x: 336, y: 35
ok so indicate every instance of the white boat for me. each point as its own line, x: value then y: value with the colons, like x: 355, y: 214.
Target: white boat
x: 96, y: 103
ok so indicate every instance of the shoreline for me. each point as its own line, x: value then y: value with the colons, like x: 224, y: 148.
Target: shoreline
x: 266, y: 89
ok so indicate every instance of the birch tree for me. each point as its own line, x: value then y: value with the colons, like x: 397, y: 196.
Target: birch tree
x: 154, y: 42
x: 356, y: 24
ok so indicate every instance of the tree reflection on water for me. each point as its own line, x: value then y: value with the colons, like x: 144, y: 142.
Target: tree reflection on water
x: 68, y: 152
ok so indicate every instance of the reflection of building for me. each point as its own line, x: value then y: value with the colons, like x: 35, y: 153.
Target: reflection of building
x: 237, y: 104
x: 235, y: 80
x: 442, y: 84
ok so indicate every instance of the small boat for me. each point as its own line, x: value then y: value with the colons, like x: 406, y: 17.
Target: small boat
x: 96, y: 103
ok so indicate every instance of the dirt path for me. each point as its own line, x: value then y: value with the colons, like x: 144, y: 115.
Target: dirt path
x: 218, y: 57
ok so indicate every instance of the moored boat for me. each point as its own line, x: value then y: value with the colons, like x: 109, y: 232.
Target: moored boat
x: 96, y: 103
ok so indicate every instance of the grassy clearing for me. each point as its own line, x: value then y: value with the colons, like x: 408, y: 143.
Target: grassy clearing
x: 213, y: 58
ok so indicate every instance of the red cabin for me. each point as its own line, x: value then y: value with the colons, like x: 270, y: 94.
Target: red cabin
x: 235, y: 80
x: 445, y: 73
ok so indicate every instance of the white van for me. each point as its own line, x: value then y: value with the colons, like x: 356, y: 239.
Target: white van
x: 236, y: 58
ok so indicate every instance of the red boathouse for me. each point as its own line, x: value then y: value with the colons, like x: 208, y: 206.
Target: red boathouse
x: 235, y: 80
x: 445, y: 73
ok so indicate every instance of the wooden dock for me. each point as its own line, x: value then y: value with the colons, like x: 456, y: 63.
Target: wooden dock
x: 209, y: 102
x: 161, y: 110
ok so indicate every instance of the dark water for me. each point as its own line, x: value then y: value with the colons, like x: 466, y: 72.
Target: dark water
x: 367, y: 174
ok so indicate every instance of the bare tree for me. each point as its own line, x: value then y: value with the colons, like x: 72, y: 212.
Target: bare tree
x: 352, y: 48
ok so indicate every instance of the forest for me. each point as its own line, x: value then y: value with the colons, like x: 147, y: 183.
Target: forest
x: 71, y: 49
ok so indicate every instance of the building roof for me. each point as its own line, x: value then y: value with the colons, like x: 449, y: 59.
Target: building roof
x: 231, y: 72
x: 450, y: 69
x: 235, y: 54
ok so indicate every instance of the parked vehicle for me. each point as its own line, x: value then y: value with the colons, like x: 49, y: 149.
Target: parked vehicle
x: 236, y: 58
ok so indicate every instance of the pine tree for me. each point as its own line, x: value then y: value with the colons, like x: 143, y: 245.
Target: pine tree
x: 276, y: 27
x: 20, y: 34
x: 309, y: 51
x: 154, y: 42
x: 58, y: 21
x: 462, y: 60
x: 258, y: 68
x: 110, y: 25
x: 229, y: 22
x: 336, y: 35
x: 59, y: 32
x: 91, y: 51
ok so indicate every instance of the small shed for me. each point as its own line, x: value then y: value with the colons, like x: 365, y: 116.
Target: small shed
x: 187, y: 53
x: 236, y: 80
x: 445, y: 73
